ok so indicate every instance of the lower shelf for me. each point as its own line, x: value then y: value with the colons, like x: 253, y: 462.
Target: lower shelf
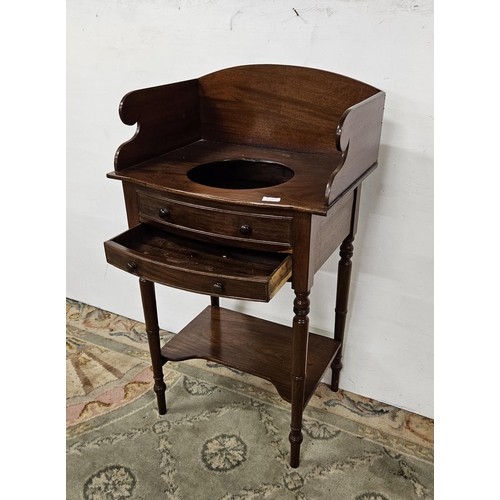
x: 251, y: 345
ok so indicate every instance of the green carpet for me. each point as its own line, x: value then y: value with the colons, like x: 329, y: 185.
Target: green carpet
x: 225, y: 435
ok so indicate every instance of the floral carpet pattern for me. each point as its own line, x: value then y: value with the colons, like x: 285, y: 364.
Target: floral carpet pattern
x: 225, y: 434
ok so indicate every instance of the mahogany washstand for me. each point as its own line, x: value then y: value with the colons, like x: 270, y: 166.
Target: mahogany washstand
x: 235, y: 183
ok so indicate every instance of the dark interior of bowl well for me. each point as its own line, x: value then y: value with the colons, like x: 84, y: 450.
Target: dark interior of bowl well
x: 240, y: 174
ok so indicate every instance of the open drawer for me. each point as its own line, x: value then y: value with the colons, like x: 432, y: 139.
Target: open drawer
x: 211, y: 269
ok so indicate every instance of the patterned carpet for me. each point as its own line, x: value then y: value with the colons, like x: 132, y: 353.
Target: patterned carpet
x: 225, y: 435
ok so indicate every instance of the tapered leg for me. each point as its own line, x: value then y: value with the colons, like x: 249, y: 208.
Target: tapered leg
x: 153, y: 331
x: 299, y: 364
x: 343, y: 282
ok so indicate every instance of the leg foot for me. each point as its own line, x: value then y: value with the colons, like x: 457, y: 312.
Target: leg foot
x: 336, y: 367
x: 295, y: 439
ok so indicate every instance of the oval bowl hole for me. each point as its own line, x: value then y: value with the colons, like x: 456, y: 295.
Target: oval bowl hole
x: 240, y: 174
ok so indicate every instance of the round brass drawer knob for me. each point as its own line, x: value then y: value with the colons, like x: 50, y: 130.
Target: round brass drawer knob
x: 245, y: 230
x: 132, y: 266
x: 218, y: 288
x: 163, y: 213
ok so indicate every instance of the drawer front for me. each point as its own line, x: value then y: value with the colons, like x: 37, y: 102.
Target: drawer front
x: 229, y: 225
x: 217, y: 272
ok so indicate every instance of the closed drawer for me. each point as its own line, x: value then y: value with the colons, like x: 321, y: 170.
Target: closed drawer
x: 211, y: 269
x: 230, y: 225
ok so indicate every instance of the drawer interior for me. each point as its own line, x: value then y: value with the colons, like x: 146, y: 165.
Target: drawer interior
x: 166, y: 253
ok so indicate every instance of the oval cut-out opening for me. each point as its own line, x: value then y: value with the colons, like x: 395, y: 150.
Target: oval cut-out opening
x: 240, y: 174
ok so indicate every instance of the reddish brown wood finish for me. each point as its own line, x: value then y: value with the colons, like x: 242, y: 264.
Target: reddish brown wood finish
x: 235, y: 226
x: 304, y: 192
x: 278, y: 112
x: 153, y: 331
x: 221, y: 335
x: 299, y: 372
x: 329, y: 232
x: 318, y: 136
x: 167, y: 118
x: 343, y: 285
x: 281, y: 107
x: 130, y: 195
x: 202, y: 268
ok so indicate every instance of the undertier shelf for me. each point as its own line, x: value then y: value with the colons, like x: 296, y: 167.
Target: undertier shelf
x: 251, y: 345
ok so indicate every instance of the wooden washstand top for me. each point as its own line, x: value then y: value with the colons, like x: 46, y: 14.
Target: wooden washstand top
x: 286, y: 137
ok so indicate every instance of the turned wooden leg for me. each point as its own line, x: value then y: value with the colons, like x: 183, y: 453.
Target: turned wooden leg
x: 153, y: 331
x: 343, y: 282
x: 299, y: 364
x: 214, y: 301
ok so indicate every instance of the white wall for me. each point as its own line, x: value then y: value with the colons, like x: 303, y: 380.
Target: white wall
x: 114, y: 46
